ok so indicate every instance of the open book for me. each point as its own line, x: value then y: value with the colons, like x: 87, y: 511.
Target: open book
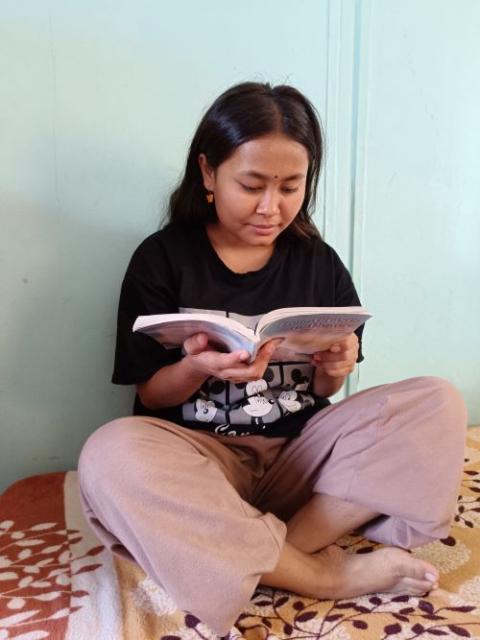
x: 304, y: 330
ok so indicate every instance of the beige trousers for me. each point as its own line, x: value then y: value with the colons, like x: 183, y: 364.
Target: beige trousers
x: 204, y: 515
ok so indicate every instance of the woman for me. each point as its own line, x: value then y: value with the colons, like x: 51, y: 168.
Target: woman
x: 232, y: 473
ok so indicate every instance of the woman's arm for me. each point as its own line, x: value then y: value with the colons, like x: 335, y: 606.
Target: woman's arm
x: 326, y: 386
x: 173, y: 384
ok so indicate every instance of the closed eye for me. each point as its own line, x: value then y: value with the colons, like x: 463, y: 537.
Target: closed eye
x: 250, y: 189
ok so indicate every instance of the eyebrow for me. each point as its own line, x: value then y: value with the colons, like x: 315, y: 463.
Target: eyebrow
x: 262, y: 176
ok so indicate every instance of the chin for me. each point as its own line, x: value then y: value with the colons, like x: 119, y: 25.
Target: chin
x: 263, y: 242
x: 263, y: 239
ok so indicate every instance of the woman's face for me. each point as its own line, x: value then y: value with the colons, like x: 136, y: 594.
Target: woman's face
x: 258, y: 190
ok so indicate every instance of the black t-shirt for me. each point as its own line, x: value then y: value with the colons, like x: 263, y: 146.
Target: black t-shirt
x: 177, y: 270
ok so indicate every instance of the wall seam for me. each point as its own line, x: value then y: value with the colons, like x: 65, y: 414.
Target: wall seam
x: 360, y: 110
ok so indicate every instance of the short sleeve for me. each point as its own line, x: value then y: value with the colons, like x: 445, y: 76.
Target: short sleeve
x: 346, y: 295
x: 148, y: 288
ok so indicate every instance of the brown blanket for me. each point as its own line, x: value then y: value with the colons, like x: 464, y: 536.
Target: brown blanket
x: 57, y: 581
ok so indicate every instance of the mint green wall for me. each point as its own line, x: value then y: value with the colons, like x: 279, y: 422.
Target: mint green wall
x: 416, y: 218
x: 97, y: 105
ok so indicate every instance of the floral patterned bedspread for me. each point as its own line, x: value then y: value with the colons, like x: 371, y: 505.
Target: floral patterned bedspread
x: 57, y: 581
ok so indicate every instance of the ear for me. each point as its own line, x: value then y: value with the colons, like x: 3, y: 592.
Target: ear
x: 208, y: 173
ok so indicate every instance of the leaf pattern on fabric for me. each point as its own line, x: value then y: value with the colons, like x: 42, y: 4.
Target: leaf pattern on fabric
x: 37, y: 563
x: 39, y: 600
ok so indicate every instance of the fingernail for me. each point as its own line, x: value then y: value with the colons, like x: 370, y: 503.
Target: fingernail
x: 431, y: 577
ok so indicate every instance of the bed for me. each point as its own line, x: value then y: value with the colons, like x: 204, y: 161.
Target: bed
x: 57, y: 581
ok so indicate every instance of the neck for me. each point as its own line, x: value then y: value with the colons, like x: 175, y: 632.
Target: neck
x: 239, y: 258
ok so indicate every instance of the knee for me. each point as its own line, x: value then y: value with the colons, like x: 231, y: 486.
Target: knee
x: 101, y: 453
x: 447, y: 399
x: 447, y: 394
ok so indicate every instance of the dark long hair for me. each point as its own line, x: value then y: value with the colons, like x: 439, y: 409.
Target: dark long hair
x: 244, y: 112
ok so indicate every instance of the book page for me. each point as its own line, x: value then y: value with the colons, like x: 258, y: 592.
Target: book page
x: 171, y: 330
x: 310, y: 331
x: 295, y: 312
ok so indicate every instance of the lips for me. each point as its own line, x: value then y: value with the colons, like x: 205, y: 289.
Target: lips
x: 264, y: 228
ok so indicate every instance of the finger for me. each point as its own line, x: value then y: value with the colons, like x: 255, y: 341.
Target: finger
x: 196, y: 344
x: 341, y: 347
x: 224, y: 361
x: 337, y: 372
x: 330, y: 358
x: 349, y: 342
x: 325, y: 357
x: 269, y: 347
x: 215, y: 363
x: 352, y: 341
x: 258, y: 366
x: 241, y: 374
x: 349, y: 355
x: 255, y: 369
x: 266, y: 351
x: 333, y: 349
x: 336, y: 348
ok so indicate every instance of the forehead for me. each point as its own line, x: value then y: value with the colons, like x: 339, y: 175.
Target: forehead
x: 273, y: 155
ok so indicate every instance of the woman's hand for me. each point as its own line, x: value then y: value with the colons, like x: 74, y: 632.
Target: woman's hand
x: 233, y: 367
x: 333, y: 366
x: 340, y: 359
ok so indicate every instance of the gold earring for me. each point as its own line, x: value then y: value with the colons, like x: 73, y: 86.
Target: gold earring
x: 210, y: 197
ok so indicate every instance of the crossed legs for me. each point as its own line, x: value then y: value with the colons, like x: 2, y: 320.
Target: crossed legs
x: 332, y: 573
x: 177, y: 499
x: 323, y: 520
x: 400, y: 423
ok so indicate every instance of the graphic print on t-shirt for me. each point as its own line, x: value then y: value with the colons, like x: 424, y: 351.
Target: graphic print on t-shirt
x: 248, y: 408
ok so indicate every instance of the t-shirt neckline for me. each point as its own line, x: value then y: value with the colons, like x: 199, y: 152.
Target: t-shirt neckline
x: 219, y: 265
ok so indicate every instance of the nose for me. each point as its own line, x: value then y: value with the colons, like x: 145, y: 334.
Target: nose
x: 269, y: 203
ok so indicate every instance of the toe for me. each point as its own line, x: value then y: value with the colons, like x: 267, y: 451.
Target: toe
x: 432, y: 576
x: 415, y: 587
x: 418, y: 569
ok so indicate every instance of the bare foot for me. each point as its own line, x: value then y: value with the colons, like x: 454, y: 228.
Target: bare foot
x: 392, y: 570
